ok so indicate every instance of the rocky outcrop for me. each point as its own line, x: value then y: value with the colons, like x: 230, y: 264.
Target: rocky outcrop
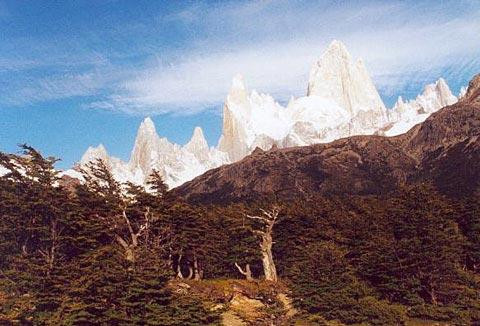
x: 241, y: 302
x: 473, y: 91
x: 236, y: 111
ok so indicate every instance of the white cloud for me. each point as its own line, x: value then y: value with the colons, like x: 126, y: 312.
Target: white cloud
x: 272, y: 43
x: 399, y: 51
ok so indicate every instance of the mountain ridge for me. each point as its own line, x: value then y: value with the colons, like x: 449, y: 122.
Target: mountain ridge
x: 341, y: 101
x: 442, y: 150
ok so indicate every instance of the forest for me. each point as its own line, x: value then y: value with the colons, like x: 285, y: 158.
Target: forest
x: 105, y: 253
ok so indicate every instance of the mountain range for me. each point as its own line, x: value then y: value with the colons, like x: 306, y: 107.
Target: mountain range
x: 341, y: 101
x: 443, y: 150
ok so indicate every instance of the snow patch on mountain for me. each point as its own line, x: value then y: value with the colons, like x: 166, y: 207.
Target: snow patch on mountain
x: 405, y: 115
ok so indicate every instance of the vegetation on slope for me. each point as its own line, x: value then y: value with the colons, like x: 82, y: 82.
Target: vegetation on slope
x: 109, y: 253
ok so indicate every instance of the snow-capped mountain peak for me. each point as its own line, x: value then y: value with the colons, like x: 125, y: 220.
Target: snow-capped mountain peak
x: 341, y: 101
x: 147, y: 127
x: 198, y: 144
x: 237, y: 97
x: 335, y: 76
x: 95, y: 153
x: 405, y: 115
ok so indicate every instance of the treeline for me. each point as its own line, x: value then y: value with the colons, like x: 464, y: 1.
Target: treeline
x: 105, y: 252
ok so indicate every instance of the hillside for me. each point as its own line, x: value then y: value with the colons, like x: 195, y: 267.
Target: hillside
x: 443, y: 149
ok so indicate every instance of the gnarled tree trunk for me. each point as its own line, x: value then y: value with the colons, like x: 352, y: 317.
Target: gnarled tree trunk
x: 267, y: 258
x: 268, y: 220
x: 130, y: 245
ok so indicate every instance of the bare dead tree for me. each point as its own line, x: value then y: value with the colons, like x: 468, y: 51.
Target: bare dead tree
x: 130, y: 244
x: 247, y: 272
x: 194, y: 272
x: 267, y: 220
x: 49, y: 254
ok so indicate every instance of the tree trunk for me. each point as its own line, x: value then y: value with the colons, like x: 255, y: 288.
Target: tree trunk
x: 269, y: 219
x: 129, y: 253
x: 197, y: 272
x: 179, y: 267
x: 267, y: 258
x: 190, y: 272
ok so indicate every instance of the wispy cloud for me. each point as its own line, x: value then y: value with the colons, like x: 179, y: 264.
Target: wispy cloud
x: 401, y: 45
x: 272, y: 43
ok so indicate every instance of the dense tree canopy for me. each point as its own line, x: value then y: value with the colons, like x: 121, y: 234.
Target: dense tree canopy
x: 106, y: 252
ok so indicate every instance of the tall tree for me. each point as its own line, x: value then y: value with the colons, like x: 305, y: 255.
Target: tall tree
x: 267, y: 221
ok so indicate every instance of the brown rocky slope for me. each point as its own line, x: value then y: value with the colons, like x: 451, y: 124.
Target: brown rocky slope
x: 445, y: 149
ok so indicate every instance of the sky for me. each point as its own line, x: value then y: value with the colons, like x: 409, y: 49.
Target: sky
x: 84, y: 72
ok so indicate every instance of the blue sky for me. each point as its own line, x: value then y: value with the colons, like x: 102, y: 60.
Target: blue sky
x: 79, y: 73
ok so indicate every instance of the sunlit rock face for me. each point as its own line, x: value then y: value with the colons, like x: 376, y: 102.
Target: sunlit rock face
x: 337, y: 77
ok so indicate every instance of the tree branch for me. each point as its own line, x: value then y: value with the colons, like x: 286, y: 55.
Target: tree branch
x: 124, y: 214
x: 240, y: 269
x: 261, y: 218
x: 122, y: 242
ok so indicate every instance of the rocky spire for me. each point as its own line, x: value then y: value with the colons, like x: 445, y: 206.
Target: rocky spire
x: 237, y: 98
x: 93, y: 154
x: 336, y: 77
x: 198, y: 139
x: 147, y: 128
x: 198, y: 145
x: 404, y: 115
x: 236, y: 111
x: 145, y: 145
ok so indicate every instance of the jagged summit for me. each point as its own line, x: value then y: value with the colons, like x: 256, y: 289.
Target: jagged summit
x: 198, y: 133
x: 238, y: 82
x: 147, y: 127
x: 94, y: 153
x: 337, y: 49
x: 441, y: 92
x: 237, y: 95
x: 335, y: 76
x: 405, y: 115
x: 198, y: 141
